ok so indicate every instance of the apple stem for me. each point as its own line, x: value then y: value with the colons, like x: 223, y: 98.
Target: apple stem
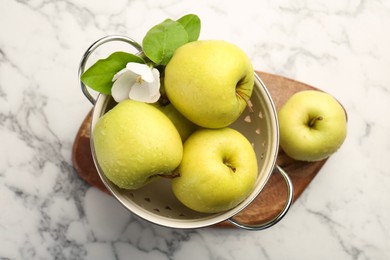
x: 313, y: 121
x: 249, y: 105
x: 234, y: 169
x: 247, y: 101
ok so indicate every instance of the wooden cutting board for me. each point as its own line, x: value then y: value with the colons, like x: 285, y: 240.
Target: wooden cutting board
x: 271, y: 199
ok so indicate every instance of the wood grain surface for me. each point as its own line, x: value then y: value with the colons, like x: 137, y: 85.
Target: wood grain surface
x: 271, y: 199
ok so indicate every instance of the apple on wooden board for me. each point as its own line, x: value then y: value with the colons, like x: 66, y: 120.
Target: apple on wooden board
x: 217, y: 172
x: 209, y: 82
x: 134, y: 143
x: 313, y: 125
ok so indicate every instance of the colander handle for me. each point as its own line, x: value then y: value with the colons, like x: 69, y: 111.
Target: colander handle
x: 93, y: 47
x: 290, y: 196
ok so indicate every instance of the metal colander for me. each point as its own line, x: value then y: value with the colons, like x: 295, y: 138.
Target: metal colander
x: 156, y: 202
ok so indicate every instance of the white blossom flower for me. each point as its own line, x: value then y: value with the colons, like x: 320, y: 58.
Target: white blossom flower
x: 138, y: 82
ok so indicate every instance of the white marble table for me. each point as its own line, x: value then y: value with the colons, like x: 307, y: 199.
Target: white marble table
x: 47, y: 212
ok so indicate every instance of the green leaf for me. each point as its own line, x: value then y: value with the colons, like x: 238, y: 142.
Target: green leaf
x: 191, y: 24
x: 162, y: 40
x: 99, y: 75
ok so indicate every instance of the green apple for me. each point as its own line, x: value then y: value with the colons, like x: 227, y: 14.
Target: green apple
x: 313, y: 125
x: 209, y: 82
x: 134, y: 142
x: 182, y: 124
x: 217, y: 172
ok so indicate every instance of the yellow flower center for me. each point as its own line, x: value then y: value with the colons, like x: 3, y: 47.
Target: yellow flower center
x: 139, y: 79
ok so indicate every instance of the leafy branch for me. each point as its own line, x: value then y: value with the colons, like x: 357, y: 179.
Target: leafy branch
x: 158, y: 45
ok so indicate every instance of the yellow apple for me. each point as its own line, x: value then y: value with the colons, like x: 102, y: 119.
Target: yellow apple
x: 217, y: 172
x: 209, y: 82
x: 135, y: 142
x: 313, y: 125
x: 182, y: 124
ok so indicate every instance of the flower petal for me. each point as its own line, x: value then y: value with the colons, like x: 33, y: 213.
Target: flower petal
x: 122, y: 86
x: 119, y: 73
x: 154, y: 92
x: 154, y: 87
x: 146, y: 92
x: 156, y: 74
x: 140, y: 92
x: 141, y: 69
